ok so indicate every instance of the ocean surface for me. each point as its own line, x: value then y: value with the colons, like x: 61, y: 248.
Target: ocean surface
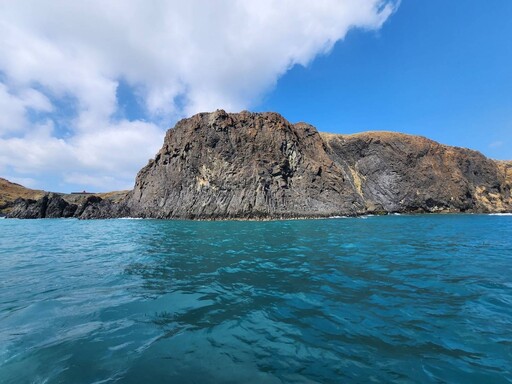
x: 402, y: 299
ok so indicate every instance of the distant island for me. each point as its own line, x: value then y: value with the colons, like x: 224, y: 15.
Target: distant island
x: 260, y: 166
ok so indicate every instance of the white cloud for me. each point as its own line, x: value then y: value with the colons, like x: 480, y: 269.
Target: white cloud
x: 113, y: 154
x: 179, y: 57
x: 13, y: 108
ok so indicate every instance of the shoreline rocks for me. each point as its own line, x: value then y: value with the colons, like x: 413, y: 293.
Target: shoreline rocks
x: 220, y: 165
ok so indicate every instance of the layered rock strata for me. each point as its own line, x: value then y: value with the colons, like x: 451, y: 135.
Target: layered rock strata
x: 259, y: 166
x: 56, y: 205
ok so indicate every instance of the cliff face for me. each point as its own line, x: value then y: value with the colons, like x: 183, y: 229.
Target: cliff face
x: 243, y: 165
x: 402, y: 173
x: 81, y: 206
x: 258, y: 165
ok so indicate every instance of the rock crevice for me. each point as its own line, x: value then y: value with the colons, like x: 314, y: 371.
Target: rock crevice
x: 259, y: 166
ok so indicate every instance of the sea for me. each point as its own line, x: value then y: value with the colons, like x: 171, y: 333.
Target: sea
x: 379, y: 299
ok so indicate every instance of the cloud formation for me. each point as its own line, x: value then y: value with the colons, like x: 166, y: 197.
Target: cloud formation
x: 61, y: 64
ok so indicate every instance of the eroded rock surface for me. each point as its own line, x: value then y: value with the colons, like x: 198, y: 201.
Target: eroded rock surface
x: 394, y: 172
x: 247, y: 165
x: 260, y: 166
x: 55, y: 205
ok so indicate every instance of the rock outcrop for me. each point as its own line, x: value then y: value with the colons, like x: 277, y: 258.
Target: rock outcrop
x: 55, y: 205
x: 260, y: 166
x: 247, y: 165
x: 394, y: 172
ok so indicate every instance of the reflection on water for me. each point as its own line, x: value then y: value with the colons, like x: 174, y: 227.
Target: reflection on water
x: 385, y: 299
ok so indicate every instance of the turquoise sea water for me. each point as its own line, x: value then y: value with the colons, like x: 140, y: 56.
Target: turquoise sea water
x: 406, y: 299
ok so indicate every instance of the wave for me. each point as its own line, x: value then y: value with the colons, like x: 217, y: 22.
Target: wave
x: 365, y: 216
x: 501, y: 214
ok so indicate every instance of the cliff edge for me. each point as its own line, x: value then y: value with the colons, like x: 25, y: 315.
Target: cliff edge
x: 246, y: 165
x: 260, y: 166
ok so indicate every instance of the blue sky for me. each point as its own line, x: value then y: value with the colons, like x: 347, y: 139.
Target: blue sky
x: 441, y: 69
x: 87, y: 90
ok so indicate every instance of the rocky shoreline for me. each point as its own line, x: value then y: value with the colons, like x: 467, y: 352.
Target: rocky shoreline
x: 258, y: 166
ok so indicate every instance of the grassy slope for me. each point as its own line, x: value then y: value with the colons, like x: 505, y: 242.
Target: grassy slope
x: 11, y: 191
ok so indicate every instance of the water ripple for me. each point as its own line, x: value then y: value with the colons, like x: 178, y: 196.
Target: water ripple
x: 409, y: 299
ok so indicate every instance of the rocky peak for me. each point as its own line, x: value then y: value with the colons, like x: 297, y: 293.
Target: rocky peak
x: 242, y: 165
x: 260, y: 166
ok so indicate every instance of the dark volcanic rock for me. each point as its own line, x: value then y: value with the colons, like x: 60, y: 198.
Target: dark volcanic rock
x: 53, y: 205
x: 97, y: 208
x: 402, y: 173
x: 259, y: 166
x: 28, y: 208
x: 247, y: 165
x: 58, y: 207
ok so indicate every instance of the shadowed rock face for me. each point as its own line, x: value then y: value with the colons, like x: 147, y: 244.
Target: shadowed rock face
x: 243, y: 165
x: 54, y: 205
x: 258, y: 165
x: 402, y: 173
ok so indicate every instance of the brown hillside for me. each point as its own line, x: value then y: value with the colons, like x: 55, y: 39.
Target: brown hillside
x: 9, y: 192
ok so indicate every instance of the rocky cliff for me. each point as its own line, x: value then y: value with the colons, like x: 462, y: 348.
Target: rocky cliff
x: 82, y: 206
x: 403, y: 173
x: 258, y: 166
x: 250, y: 165
x: 245, y: 165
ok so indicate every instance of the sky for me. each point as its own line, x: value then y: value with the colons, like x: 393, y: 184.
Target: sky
x: 88, y: 89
